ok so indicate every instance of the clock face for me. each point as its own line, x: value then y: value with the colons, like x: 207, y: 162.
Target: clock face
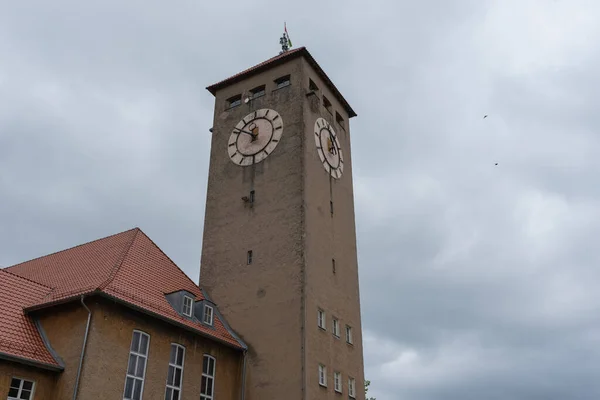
x: 255, y: 137
x: 329, y: 149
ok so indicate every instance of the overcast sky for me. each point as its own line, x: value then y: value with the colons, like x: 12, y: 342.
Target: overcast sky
x: 478, y: 281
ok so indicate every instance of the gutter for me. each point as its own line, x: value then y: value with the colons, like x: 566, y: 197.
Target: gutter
x: 87, y: 330
x: 243, y: 394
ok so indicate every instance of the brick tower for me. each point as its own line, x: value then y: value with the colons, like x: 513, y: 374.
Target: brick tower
x: 279, y: 249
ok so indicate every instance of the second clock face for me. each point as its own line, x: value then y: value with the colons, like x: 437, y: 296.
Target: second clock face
x: 255, y: 137
x: 329, y: 149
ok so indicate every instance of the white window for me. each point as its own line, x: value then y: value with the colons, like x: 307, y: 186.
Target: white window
x: 321, y: 319
x: 136, y: 369
x: 322, y: 375
x: 187, y: 305
x: 175, y: 374
x: 349, y: 334
x: 336, y: 327
x: 208, y: 378
x: 20, y: 389
x: 352, y: 387
x: 337, y: 382
x: 208, y: 315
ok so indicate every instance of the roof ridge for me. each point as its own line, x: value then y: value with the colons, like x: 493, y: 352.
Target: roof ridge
x: 115, y: 269
x: 70, y: 248
x: 27, y: 279
x: 173, y: 262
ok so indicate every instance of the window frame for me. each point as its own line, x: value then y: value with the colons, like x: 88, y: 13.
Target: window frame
x: 280, y: 83
x: 249, y: 257
x: 208, y: 376
x: 212, y: 315
x: 312, y: 86
x: 349, y: 335
x: 322, y: 374
x: 191, y: 310
x: 327, y: 104
x: 337, y: 381
x: 137, y: 354
x: 321, y: 319
x: 258, y: 92
x: 351, y: 387
x: 20, y: 388
x: 234, y: 101
x: 335, y: 327
x: 175, y: 367
x: 340, y: 120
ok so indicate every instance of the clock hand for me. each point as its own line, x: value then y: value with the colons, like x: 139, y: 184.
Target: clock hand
x: 246, y: 132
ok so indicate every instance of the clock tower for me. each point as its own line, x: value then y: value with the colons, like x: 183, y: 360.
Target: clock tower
x: 279, y: 249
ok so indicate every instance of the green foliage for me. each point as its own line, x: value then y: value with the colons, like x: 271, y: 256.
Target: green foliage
x: 367, y: 383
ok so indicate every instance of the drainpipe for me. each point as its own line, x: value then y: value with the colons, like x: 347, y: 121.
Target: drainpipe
x: 87, y: 330
x: 243, y: 396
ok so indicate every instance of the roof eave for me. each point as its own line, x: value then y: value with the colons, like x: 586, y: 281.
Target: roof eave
x: 30, y: 362
x: 301, y: 52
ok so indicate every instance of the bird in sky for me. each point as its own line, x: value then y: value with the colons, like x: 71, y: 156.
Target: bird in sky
x: 485, y: 116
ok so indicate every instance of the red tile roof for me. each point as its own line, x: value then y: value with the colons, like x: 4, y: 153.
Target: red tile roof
x: 127, y: 267
x: 19, y: 337
x: 280, y: 59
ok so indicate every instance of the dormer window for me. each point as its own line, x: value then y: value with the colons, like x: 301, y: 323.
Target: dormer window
x: 257, y: 92
x: 187, y: 306
x: 282, y: 82
x: 208, y: 315
x: 234, y: 101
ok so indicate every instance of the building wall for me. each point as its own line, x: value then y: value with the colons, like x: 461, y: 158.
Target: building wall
x: 261, y: 301
x: 44, y: 380
x: 330, y: 237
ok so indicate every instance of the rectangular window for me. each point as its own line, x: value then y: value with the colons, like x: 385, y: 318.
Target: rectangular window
x: 136, y: 368
x: 326, y: 104
x: 339, y: 119
x: 252, y: 196
x: 336, y: 327
x: 187, y: 306
x: 312, y: 86
x: 282, y: 82
x: 352, y: 387
x: 321, y: 319
x: 20, y: 389
x: 333, y: 265
x: 337, y: 382
x: 208, y: 315
x: 207, y: 385
x: 234, y: 101
x: 175, y: 374
x: 322, y: 375
x: 249, y: 257
x: 257, y: 92
x: 349, y: 334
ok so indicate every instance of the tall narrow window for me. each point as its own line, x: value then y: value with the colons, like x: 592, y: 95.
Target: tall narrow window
x: 337, y: 382
x: 331, y: 207
x: 326, y: 104
x: 252, y: 196
x: 207, y: 385
x: 349, y: 334
x: 336, y: 327
x: 322, y: 375
x: 282, y: 82
x: 339, y: 120
x: 136, y: 368
x: 208, y: 315
x: 187, y: 306
x: 175, y: 374
x: 321, y: 319
x: 333, y: 265
x: 20, y: 389
x: 352, y: 387
x: 249, y: 257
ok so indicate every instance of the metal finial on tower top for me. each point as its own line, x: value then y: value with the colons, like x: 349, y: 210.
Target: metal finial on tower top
x: 284, y: 40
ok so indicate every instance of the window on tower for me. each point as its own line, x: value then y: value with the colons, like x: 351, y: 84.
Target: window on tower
x: 322, y: 375
x: 326, y: 104
x: 339, y: 120
x: 249, y: 257
x: 234, y: 101
x: 257, y: 92
x: 336, y: 327
x: 349, y: 338
x: 312, y: 86
x: 333, y: 265
x: 321, y: 319
x: 282, y: 82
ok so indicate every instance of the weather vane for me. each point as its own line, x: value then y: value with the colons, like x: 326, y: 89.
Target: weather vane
x: 284, y: 40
